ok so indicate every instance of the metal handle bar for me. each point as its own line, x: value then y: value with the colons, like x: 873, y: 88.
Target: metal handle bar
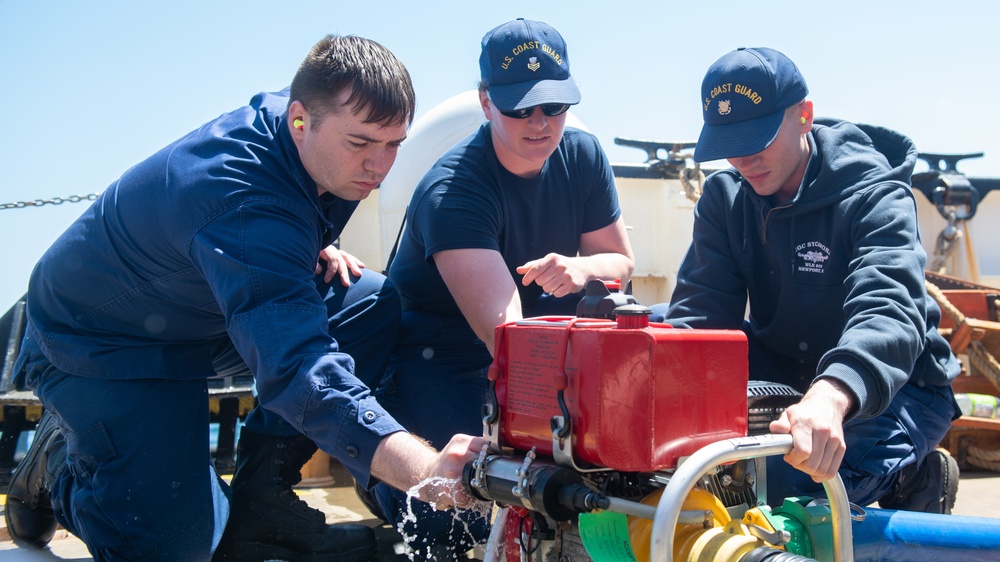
x: 688, y: 473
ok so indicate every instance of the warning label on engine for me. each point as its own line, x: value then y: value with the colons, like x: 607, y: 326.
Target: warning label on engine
x: 533, y: 372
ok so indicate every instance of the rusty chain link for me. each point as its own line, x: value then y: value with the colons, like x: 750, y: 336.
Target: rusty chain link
x: 53, y: 201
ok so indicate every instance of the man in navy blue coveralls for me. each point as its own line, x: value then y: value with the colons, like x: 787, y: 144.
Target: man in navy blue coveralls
x: 815, y: 224
x: 206, y: 256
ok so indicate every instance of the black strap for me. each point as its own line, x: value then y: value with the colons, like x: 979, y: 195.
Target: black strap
x: 395, y: 246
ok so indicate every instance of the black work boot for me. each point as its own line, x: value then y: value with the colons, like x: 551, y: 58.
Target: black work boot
x: 268, y: 521
x: 28, y: 511
x: 930, y: 487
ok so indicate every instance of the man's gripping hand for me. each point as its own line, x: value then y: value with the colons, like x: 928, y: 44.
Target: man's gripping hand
x: 404, y: 461
x: 816, y: 424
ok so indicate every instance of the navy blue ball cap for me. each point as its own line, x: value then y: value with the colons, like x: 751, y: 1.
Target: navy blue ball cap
x: 743, y: 98
x: 524, y: 63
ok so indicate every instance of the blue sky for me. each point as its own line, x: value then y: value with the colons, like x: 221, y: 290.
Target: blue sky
x: 91, y: 88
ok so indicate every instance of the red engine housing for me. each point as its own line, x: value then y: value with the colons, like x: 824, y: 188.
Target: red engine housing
x: 639, y: 395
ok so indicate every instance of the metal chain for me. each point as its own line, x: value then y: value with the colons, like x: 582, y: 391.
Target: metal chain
x: 947, y: 242
x: 692, y: 190
x: 53, y: 201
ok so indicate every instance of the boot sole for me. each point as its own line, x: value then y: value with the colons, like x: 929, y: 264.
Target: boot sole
x: 951, y: 477
x: 30, y: 524
x: 41, y: 537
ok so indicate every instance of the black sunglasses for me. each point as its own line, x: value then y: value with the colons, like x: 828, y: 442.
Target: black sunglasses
x: 548, y: 109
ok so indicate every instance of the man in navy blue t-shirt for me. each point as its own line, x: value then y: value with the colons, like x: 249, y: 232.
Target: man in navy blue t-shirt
x: 510, y: 223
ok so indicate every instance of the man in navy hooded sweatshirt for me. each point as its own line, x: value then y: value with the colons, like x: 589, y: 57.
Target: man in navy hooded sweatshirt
x: 816, y: 225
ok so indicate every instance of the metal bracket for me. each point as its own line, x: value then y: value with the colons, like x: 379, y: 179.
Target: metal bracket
x: 562, y: 447
x: 946, y: 187
x: 652, y: 149
x: 955, y: 192
x: 479, y: 466
x: 520, y: 489
x: 490, y: 428
x: 777, y: 538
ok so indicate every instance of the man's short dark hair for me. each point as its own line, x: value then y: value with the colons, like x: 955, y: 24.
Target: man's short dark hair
x: 379, y: 83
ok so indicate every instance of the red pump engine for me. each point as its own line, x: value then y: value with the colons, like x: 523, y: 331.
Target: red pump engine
x: 593, y: 413
x: 624, y: 394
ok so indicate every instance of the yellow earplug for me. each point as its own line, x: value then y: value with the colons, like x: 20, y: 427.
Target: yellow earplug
x: 298, y: 123
x: 803, y: 120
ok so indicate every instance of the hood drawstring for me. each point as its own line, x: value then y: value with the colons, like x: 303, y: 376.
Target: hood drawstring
x: 748, y: 219
x: 791, y: 258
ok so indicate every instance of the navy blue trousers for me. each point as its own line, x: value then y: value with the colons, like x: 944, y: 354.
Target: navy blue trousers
x: 435, y: 393
x: 877, y: 448
x: 140, y: 483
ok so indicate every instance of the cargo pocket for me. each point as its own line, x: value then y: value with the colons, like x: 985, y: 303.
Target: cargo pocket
x: 105, y: 506
x: 877, y: 446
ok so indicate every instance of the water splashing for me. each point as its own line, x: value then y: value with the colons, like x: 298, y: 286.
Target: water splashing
x: 465, y: 529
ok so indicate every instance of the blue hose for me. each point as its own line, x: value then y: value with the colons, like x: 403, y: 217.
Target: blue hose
x: 924, y: 537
